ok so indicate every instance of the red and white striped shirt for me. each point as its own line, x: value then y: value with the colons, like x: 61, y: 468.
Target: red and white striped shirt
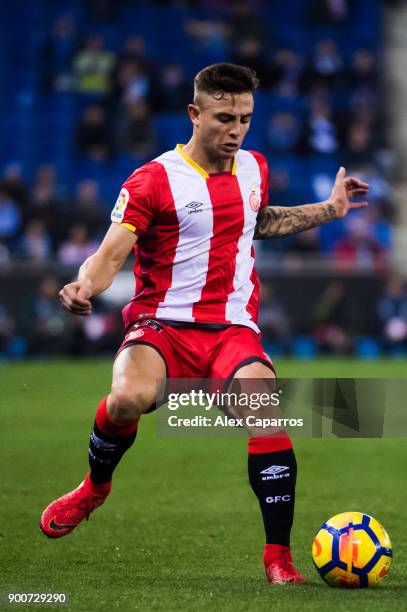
x: 194, y: 253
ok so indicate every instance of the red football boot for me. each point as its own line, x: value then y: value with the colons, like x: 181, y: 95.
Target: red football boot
x: 66, y: 512
x: 279, y: 566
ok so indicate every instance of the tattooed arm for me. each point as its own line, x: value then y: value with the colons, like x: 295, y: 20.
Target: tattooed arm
x: 277, y: 221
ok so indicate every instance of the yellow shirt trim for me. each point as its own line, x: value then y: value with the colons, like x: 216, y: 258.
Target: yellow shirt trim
x: 191, y: 162
x: 129, y: 226
x: 196, y: 166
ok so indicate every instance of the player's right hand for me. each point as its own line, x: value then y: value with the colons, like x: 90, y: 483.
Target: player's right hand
x: 75, y: 297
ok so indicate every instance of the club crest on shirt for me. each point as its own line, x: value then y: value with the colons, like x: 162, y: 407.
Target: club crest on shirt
x: 254, y: 200
x: 120, y: 206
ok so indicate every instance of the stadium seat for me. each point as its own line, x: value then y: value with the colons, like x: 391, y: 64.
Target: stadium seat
x: 397, y: 352
x: 367, y: 347
x: 304, y: 347
x: 274, y: 349
x: 17, y: 348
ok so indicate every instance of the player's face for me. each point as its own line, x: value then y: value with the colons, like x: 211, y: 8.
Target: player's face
x: 222, y: 124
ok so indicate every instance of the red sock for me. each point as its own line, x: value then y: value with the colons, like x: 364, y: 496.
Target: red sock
x: 108, y: 426
x: 269, y: 444
x: 102, y: 489
x: 273, y: 552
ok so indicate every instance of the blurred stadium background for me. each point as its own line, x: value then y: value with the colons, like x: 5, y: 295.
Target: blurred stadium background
x: 91, y: 89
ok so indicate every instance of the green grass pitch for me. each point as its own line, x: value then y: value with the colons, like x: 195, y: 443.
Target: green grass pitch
x: 181, y: 529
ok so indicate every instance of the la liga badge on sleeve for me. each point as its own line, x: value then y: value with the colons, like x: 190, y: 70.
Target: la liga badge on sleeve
x: 120, y: 206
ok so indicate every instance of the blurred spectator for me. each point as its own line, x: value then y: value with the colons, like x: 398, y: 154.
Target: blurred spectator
x: 43, y: 201
x: 319, y: 94
x: 14, y: 184
x: 135, y: 75
x: 273, y: 320
x: 35, y: 243
x: 286, y: 72
x: 284, y: 191
x: 58, y: 52
x: 93, y: 137
x: 102, y: 331
x: 88, y: 207
x: 321, y: 133
x: 135, y: 134
x: 4, y: 254
x: 50, y: 325
x: 307, y: 243
x: 333, y: 315
x: 77, y: 247
x: 210, y: 37
x: 326, y: 65
x: 360, y: 147
x: 102, y: 11
x: 45, y: 204
x: 359, y: 249
x: 46, y: 173
x: 250, y: 52
x: 44, y: 197
x: 280, y: 186
x: 364, y: 103
x: 380, y: 193
x: 392, y: 310
x: 246, y: 22
x: 93, y: 66
x: 321, y: 183
x: 175, y: 91
x: 10, y: 217
x: 133, y: 83
x: 283, y: 132
x: 134, y: 50
x: 363, y: 70
x: 332, y: 12
x: 381, y: 229
x: 366, y: 116
x: 7, y: 327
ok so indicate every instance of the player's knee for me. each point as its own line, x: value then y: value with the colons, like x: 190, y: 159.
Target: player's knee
x: 128, y: 404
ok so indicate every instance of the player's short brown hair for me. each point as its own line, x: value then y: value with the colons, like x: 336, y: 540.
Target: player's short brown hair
x: 219, y: 79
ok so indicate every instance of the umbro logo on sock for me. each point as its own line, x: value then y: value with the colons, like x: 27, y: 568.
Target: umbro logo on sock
x: 274, y: 472
x: 99, y: 443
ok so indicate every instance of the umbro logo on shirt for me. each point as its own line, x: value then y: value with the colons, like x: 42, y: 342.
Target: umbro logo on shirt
x: 194, y: 207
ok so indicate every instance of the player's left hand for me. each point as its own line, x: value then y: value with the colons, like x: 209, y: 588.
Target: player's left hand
x: 345, y: 188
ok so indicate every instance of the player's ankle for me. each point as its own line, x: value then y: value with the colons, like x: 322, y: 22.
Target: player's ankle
x: 95, y: 488
x: 273, y: 552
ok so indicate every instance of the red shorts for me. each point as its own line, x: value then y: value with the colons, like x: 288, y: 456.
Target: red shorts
x: 199, y: 353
